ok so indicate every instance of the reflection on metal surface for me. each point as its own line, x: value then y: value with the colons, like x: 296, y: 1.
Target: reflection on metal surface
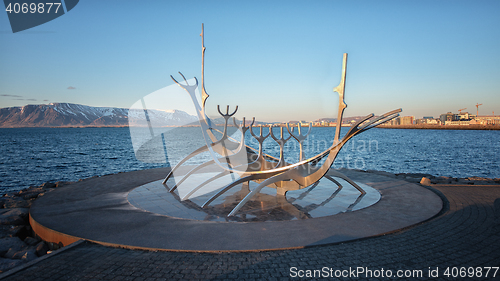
x: 236, y: 159
x: 321, y: 199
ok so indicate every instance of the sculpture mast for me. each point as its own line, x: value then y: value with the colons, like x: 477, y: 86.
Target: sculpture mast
x: 342, y: 105
x: 204, y: 94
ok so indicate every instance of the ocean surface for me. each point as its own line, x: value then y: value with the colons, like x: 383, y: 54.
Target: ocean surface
x: 32, y: 156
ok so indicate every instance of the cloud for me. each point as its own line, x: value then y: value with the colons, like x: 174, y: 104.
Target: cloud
x: 25, y: 99
x: 71, y: 88
x: 14, y: 96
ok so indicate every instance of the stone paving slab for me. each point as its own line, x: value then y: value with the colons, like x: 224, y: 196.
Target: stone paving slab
x: 97, y: 210
x: 465, y: 234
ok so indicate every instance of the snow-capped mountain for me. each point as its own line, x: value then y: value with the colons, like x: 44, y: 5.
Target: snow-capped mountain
x: 159, y: 118
x: 70, y: 115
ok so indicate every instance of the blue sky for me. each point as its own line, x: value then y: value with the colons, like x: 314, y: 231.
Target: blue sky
x: 278, y: 61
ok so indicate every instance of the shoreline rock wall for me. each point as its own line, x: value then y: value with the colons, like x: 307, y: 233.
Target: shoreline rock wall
x: 18, y: 243
x: 417, y: 178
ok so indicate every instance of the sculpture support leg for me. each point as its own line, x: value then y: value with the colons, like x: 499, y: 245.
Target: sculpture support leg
x: 344, y: 177
x: 226, y: 188
x: 220, y: 175
x: 333, y: 180
x: 268, y: 181
x: 194, y: 170
x: 191, y: 155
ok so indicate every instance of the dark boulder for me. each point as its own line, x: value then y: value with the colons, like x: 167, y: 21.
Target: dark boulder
x: 14, y: 202
x: 41, y: 249
x: 14, y: 216
x: 10, y: 230
x: 6, y: 264
x: 31, y: 241
x: 11, y: 243
x: 48, y: 185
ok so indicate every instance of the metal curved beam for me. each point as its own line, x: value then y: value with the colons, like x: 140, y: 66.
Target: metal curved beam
x: 192, y: 171
x: 219, y: 175
x: 344, y: 177
x: 191, y: 155
x: 226, y: 188
x: 271, y: 180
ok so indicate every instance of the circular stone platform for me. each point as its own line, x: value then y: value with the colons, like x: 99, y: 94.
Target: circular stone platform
x: 104, y: 210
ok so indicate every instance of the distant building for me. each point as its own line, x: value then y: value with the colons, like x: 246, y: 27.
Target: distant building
x: 420, y: 121
x: 407, y: 120
x: 464, y: 116
x: 447, y: 117
x: 395, y: 121
x: 486, y: 120
x: 427, y: 120
x: 303, y: 123
x: 458, y: 123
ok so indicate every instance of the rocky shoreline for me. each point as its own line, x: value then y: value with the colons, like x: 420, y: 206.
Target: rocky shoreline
x: 427, y: 179
x: 19, y: 245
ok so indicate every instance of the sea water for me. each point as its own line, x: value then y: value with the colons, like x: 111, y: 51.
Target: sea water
x: 31, y: 156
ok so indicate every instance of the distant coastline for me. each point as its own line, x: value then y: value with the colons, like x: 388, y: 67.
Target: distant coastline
x: 90, y: 126
x: 441, y: 127
x: 414, y: 126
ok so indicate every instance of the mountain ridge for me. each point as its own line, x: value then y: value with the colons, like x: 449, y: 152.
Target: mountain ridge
x: 77, y: 115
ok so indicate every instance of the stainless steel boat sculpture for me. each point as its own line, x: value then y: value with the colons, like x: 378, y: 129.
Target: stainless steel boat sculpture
x: 236, y: 157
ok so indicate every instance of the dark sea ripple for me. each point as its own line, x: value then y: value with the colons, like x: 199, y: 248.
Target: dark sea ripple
x: 31, y: 156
